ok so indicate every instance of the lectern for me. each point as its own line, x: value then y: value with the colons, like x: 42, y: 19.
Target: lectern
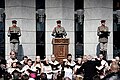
x: 60, y: 48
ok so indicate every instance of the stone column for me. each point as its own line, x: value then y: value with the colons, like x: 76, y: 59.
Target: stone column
x: 94, y: 11
x: 59, y: 10
x: 24, y: 12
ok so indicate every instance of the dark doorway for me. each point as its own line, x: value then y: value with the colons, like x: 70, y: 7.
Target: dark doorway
x: 40, y: 28
x: 2, y: 28
x: 79, y: 21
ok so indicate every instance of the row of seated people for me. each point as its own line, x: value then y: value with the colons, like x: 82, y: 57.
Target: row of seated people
x: 84, y: 68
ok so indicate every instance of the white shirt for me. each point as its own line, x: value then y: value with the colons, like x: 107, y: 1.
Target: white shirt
x: 55, y: 63
x: 10, y: 61
x: 47, y: 69
x: 31, y: 79
x: 25, y: 68
x: 72, y: 63
x: 22, y: 62
x: 33, y: 67
x: 10, y: 70
x: 103, y: 64
x: 68, y: 72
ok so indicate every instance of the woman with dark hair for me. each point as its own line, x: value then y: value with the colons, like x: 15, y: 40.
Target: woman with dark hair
x: 13, y: 68
x: 27, y: 67
x: 24, y: 61
x: 37, y: 67
x: 47, y: 69
x: 78, y: 75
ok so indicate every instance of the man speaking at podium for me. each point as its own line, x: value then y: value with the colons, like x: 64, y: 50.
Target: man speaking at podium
x: 14, y: 33
x: 59, y: 31
x: 103, y: 34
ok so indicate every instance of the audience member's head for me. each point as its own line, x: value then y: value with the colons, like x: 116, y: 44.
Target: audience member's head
x: 117, y: 59
x: 25, y: 58
x: 101, y: 56
x: 13, y: 55
x: 114, y: 68
x: 79, y: 60
x: 69, y: 57
x: 89, y: 57
x: 114, y: 61
x: 52, y: 57
x: 84, y: 58
x: 29, y: 62
x: 43, y: 76
x: 37, y: 59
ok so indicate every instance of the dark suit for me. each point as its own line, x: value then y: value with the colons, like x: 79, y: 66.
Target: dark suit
x: 89, y: 69
x: 14, y: 33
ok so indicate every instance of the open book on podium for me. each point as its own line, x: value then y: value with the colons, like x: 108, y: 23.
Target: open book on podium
x: 60, y: 48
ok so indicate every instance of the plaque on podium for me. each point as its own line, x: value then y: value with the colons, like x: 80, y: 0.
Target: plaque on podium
x: 60, y: 48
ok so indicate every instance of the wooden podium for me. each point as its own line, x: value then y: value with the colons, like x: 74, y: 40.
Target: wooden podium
x: 60, y: 48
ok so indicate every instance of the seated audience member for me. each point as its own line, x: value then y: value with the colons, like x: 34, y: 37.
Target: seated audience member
x: 77, y: 66
x: 88, y: 68
x: 13, y: 68
x: 114, y: 68
x: 117, y: 60
x: 114, y: 73
x: 69, y: 62
x: 113, y: 62
x: 11, y: 59
x: 68, y: 72
x: 33, y: 75
x: 27, y: 67
x: 103, y: 67
x: 37, y: 66
x: 2, y: 67
x: 56, y: 66
x: 43, y: 76
x: 24, y: 61
x: 16, y: 75
x: 84, y: 59
x: 4, y: 75
x: 68, y: 67
x: 25, y: 77
x: 19, y: 65
x: 47, y: 69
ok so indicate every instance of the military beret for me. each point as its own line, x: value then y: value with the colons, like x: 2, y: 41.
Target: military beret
x: 103, y: 21
x: 14, y: 21
x: 58, y: 21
